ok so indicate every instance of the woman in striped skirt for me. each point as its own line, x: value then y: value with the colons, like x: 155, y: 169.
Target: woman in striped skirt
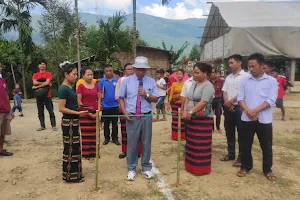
x: 88, y: 99
x: 128, y: 71
x: 175, y: 103
x: 199, y: 116
x: 67, y: 105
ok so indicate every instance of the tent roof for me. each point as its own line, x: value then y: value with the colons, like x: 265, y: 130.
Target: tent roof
x: 260, y: 14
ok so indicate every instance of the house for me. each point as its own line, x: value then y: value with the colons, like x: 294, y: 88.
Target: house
x: 157, y: 58
x: 270, y: 28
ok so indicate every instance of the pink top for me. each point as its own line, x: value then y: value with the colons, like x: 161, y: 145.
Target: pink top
x: 89, y: 96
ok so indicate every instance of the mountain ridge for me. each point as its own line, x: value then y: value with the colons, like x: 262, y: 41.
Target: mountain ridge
x: 152, y: 29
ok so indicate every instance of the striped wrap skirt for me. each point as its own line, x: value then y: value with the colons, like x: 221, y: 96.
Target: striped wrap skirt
x: 174, y: 125
x: 199, y: 146
x: 72, y: 167
x: 88, y: 136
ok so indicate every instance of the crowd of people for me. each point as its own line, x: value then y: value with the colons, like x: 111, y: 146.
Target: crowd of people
x: 245, y: 98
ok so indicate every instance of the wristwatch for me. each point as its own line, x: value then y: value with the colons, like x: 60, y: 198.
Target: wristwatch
x: 191, y: 112
x: 147, y: 96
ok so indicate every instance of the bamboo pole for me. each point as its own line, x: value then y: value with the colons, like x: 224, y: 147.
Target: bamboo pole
x: 178, y: 146
x: 13, y: 73
x: 97, y: 148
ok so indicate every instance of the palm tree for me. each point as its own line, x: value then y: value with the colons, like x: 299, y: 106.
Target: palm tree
x: 77, y: 35
x: 134, y: 29
x: 164, y: 2
x: 16, y: 16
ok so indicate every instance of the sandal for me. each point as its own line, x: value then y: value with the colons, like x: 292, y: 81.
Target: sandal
x: 270, y: 176
x: 41, y: 129
x: 5, y: 153
x: 225, y: 159
x: 242, y: 173
x: 237, y: 163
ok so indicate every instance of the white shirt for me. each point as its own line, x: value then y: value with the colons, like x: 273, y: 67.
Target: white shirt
x: 186, y: 87
x: 232, y: 84
x: 162, y: 83
x: 0, y: 75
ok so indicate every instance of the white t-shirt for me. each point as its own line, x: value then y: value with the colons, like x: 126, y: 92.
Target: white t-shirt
x: 232, y: 84
x: 186, y: 87
x: 161, y: 82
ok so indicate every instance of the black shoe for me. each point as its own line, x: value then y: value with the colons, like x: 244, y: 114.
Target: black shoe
x: 117, y: 142
x: 106, y: 142
x: 122, y: 155
x: 21, y: 115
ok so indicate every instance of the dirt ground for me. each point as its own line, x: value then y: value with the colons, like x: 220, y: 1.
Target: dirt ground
x: 34, y: 172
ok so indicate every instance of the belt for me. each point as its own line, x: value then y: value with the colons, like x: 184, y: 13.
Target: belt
x: 143, y: 113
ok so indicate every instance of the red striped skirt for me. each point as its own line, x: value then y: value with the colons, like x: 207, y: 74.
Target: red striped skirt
x: 199, y: 146
x: 88, y: 135
x: 124, y: 137
x: 174, y: 125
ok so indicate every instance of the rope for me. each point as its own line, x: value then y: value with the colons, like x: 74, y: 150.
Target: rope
x: 142, y: 115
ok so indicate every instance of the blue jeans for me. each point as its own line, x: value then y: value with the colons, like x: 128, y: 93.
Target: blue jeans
x: 139, y: 129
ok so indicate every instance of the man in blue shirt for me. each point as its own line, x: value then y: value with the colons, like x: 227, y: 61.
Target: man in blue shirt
x: 109, y: 104
x: 257, y: 97
x: 136, y: 94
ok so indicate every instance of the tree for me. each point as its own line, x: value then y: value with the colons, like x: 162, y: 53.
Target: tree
x: 107, y: 38
x: 57, y: 27
x: 175, y: 61
x: 134, y: 29
x: 77, y: 35
x: 195, y: 53
x: 164, y: 2
x: 16, y: 15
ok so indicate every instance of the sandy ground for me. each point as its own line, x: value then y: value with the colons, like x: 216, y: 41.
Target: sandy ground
x: 34, y: 172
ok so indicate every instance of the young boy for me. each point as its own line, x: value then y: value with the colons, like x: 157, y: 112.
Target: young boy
x: 281, y: 88
x: 162, y: 91
x: 17, y: 103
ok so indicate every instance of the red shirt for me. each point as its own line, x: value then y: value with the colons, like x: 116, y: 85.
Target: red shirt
x: 281, y: 84
x: 4, y: 103
x: 89, y: 96
x: 218, y: 85
x: 45, y: 75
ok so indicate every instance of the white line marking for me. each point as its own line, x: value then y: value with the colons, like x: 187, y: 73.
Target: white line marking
x: 162, y: 185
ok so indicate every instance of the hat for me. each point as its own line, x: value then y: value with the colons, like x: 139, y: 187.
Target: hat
x: 141, y: 62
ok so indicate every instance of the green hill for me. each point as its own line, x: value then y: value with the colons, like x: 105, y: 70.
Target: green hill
x: 152, y: 29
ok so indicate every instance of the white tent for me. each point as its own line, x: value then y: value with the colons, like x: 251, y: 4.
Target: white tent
x: 270, y: 28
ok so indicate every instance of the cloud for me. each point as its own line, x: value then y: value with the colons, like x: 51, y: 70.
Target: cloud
x: 179, y: 12
x: 191, y: 2
x: 93, y: 5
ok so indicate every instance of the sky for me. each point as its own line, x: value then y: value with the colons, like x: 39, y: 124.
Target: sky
x: 176, y: 9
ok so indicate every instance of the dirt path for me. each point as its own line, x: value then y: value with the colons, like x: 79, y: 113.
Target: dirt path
x: 34, y: 172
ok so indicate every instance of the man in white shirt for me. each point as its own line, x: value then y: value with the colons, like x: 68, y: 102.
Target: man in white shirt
x: 232, y: 111
x: 162, y: 92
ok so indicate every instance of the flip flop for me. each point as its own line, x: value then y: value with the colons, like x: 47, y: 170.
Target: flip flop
x: 41, y: 129
x: 225, y: 159
x: 270, y: 176
x: 5, y: 153
x: 242, y: 173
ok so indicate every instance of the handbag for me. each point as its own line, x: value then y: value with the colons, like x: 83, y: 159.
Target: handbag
x: 202, y: 113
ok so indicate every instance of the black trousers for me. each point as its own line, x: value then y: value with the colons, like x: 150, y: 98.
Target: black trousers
x: 265, y: 136
x: 113, y: 120
x: 217, y: 108
x: 47, y: 102
x: 232, y: 123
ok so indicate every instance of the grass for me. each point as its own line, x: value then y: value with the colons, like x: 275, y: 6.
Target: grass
x: 292, y: 144
x: 287, y: 159
x: 130, y: 194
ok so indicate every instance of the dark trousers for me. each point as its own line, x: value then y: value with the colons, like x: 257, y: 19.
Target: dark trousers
x: 45, y: 101
x: 265, y: 136
x: 217, y: 108
x: 232, y: 123
x: 113, y: 120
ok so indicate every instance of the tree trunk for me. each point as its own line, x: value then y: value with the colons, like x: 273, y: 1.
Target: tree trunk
x: 22, y: 64
x: 134, y: 29
x: 77, y: 36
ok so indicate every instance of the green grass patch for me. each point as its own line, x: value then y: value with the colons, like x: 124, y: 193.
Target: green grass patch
x: 292, y: 144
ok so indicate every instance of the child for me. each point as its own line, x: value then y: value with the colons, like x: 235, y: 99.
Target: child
x: 162, y: 91
x: 17, y: 103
